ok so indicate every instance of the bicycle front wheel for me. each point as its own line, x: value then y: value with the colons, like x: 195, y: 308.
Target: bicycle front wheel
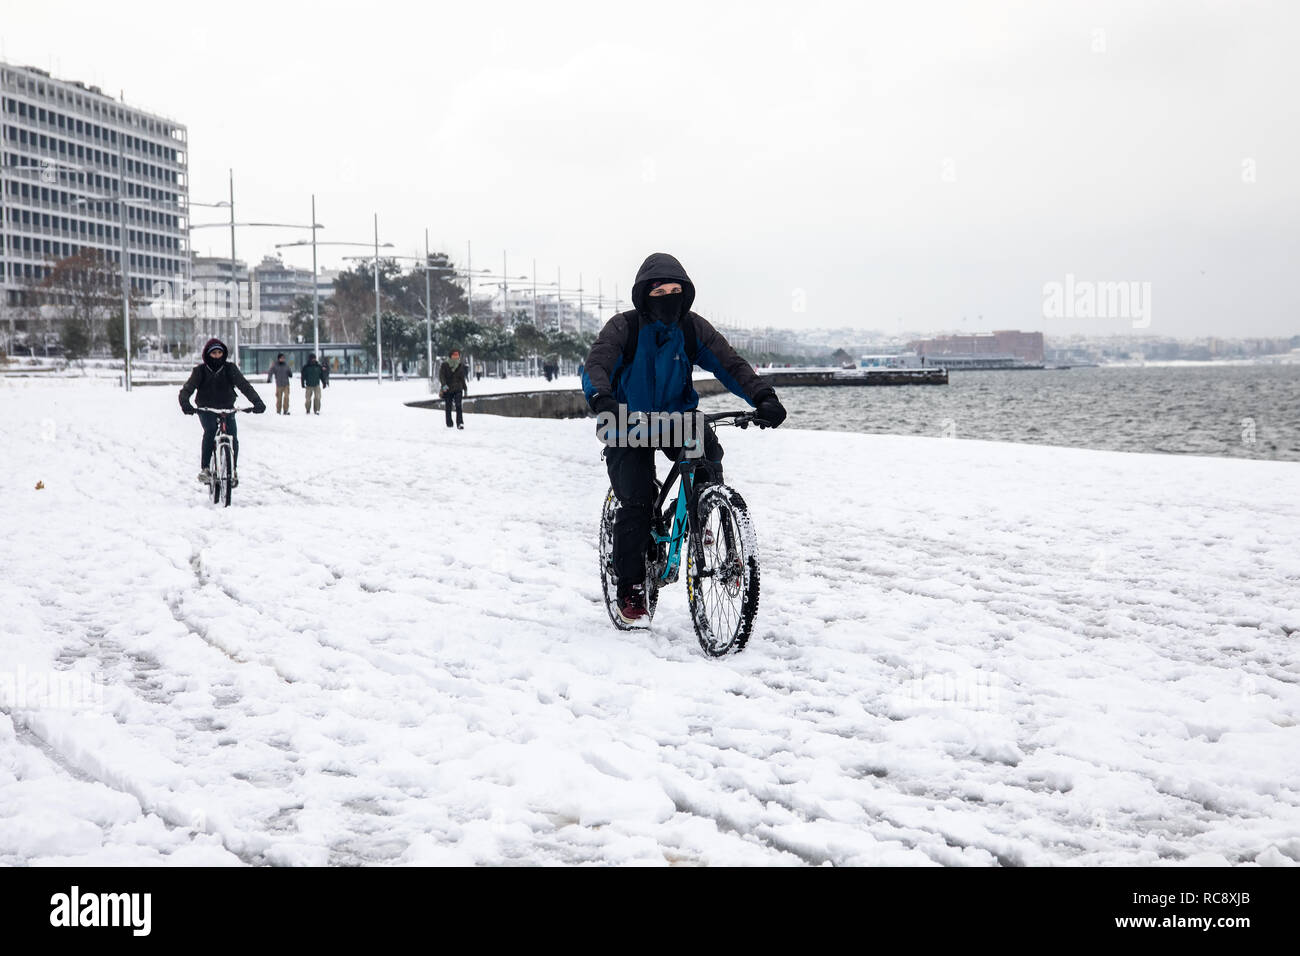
x: 227, y: 473
x: 722, y: 572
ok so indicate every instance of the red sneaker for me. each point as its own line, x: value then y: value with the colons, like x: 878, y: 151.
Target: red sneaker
x: 631, y: 608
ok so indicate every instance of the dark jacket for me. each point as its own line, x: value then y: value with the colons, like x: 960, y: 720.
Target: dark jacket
x: 281, y: 372
x: 312, y: 374
x: 454, y: 380
x: 216, y: 389
x: 659, y: 376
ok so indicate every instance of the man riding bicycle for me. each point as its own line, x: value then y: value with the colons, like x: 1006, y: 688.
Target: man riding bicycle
x: 215, y: 379
x: 643, y: 359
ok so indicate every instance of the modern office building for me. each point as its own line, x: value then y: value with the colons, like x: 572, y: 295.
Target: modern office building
x: 76, y: 168
x: 278, y: 285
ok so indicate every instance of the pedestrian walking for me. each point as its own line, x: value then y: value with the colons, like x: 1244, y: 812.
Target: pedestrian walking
x: 453, y: 376
x: 282, y: 375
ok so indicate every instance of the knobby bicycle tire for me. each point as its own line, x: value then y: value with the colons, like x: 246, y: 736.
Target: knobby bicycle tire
x: 723, y: 615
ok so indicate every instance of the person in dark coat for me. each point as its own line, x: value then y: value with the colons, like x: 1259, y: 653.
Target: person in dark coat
x: 312, y: 376
x: 665, y: 340
x: 453, y: 375
x: 213, y: 383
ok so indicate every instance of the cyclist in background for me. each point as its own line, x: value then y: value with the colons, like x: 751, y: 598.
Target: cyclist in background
x: 644, y: 359
x: 215, y: 381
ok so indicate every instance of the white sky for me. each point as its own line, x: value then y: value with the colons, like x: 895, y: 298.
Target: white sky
x: 914, y: 165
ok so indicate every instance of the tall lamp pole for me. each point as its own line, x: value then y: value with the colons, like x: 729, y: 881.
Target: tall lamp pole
x: 315, y: 283
x: 126, y: 278
x: 379, y: 332
x: 234, y: 274
x: 428, y: 306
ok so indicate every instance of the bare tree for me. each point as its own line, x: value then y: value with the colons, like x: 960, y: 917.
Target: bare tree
x: 79, y: 293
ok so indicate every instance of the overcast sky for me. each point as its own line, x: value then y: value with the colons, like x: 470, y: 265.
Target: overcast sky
x: 914, y: 165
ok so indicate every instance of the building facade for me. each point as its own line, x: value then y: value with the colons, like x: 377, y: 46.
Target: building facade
x: 77, y: 169
x: 1024, y: 347
x: 278, y: 285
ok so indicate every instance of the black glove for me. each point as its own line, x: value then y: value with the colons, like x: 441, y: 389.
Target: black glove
x: 189, y: 409
x: 258, y: 409
x: 601, y: 404
x: 770, y: 411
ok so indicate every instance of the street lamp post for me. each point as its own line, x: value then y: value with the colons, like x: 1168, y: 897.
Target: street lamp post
x: 234, y: 275
x: 379, y: 332
x: 315, y: 284
x: 428, y: 307
x: 126, y: 277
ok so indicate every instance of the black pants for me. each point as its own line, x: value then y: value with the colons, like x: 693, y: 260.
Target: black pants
x: 209, y: 421
x: 454, y: 398
x: 632, y: 476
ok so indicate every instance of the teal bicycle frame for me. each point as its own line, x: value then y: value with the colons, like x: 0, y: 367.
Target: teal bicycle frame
x: 681, y: 523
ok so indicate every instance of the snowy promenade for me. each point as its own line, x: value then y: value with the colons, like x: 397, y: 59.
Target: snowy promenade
x: 391, y: 649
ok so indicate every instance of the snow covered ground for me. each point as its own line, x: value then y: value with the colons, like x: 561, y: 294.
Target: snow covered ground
x: 391, y: 649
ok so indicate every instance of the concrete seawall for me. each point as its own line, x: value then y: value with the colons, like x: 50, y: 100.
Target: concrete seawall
x: 806, y: 378
x: 543, y: 403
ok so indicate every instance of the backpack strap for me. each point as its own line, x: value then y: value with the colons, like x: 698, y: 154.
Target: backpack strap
x: 633, y: 320
x: 692, y: 342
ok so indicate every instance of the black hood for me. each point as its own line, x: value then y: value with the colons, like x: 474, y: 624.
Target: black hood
x: 214, y: 343
x: 659, y: 266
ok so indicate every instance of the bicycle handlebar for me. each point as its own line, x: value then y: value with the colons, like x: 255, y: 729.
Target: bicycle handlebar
x: 223, y: 411
x: 739, y: 419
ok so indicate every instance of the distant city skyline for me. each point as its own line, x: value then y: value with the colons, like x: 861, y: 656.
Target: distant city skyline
x: 936, y: 169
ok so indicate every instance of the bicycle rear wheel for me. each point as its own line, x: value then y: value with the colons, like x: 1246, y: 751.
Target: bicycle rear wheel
x: 608, y: 579
x: 722, y: 572
x: 227, y: 473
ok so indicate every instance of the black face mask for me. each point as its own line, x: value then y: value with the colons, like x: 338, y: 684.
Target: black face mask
x: 666, y: 308
x: 213, y: 362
